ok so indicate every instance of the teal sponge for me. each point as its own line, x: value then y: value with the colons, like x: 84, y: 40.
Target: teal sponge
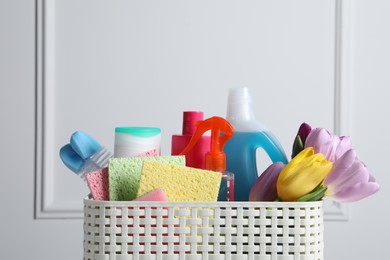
x: 125, y: 174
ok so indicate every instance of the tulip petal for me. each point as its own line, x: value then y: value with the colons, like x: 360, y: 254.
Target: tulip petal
x: 321, y: 141
x: 341, y: 166
x: 302, y: 175
x: 330, y: 145
x: 303, y: 131
x: 264, y: 188
x: 293, y: 163
x: 356, y: 192
x: 344, y: 145
x: 349, y: 180
x: 347, y: 171
x: 358, y: 176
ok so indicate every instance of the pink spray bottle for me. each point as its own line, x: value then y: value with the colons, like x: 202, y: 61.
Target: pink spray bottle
x: 194, y: 158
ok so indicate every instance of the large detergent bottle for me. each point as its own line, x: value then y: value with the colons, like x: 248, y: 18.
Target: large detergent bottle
x: 249, y: 135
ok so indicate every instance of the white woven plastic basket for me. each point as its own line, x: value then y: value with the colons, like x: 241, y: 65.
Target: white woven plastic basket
x: 223, y: 230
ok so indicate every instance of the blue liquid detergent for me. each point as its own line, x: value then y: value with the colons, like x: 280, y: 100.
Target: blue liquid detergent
x: 241, y: 158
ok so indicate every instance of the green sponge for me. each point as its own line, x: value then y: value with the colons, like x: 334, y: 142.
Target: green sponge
x: 125, y: 174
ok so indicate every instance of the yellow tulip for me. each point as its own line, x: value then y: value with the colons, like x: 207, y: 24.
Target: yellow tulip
x: 302, y: 175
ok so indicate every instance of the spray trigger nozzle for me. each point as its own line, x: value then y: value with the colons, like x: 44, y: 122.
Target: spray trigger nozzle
x: 221, y: 132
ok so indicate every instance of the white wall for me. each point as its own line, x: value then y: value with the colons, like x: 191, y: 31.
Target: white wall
x: 22, y: 237
x: 283, y: 50
x: 365, y: 235
x: 133, y: 63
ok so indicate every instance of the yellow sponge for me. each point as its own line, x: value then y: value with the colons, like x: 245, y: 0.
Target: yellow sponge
x: 180, y: 183
x: 125, y: 174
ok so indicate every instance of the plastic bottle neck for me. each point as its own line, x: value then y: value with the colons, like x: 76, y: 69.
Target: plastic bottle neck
x: 240, y: 112
x: 216, y: 162
x: 189, y: 119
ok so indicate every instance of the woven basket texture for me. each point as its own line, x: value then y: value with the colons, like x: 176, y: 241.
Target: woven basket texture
x: 221, y: 230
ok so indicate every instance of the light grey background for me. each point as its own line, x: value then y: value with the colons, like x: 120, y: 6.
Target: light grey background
x: 104, y: 64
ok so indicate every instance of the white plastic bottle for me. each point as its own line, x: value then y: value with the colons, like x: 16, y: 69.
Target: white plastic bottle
x: 249, y: 135
x: 137, y: 141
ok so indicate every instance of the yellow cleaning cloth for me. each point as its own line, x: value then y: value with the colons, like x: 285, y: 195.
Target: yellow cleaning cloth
x: 180, y: 183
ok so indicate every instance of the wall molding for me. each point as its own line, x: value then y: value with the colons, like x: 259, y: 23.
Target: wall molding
x: 46, y: 207
x: 342, y: 115
x: 342, y: 89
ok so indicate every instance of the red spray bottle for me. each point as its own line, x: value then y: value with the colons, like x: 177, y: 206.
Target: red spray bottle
x: 215, y: 158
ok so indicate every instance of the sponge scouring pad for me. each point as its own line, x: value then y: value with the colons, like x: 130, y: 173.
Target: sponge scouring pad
x: 98, y: 184
x: 125, y: 173
x: 155, y: 195
x: 180, y: 183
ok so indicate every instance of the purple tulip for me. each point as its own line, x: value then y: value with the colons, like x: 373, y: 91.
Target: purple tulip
x: 264, y: 188
x: 330, y: 145
x: 300, y: 139
x: 303, y: 131
x: 349, y: 179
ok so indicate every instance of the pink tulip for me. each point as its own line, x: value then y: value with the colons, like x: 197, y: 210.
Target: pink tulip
x: 349, y: 179
x: 264, y: 188
x: 330, y: 145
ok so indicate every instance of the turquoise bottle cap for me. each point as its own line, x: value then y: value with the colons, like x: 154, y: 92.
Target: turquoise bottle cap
x: 139, y: 131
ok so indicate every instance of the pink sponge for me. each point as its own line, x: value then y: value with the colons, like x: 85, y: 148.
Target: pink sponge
x: 98, y: 184
x: 155, y: 195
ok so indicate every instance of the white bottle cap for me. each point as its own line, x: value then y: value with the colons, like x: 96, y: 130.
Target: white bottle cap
x: 239, y: 111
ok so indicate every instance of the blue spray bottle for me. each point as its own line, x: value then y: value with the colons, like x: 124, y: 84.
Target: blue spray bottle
x: 249, y: 135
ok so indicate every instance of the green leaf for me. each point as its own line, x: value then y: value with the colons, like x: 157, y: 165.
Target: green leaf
x: 297, y: 146
x: 315, y: 195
